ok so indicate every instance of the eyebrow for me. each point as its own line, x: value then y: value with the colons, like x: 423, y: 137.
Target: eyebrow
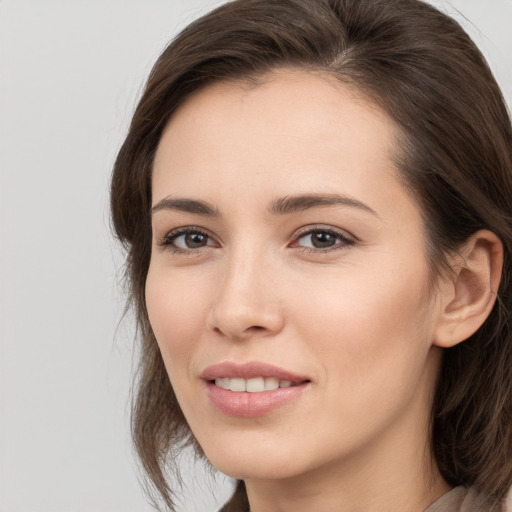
x: 299, y: 203
x: 186, y: 205
x: 280, y: 206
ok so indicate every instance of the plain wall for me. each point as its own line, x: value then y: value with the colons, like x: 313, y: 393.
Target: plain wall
x: 70, y: 73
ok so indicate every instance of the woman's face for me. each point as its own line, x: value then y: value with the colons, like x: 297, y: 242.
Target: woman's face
x: 287, y: 253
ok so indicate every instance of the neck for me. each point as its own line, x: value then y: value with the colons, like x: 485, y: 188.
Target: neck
x: 359, y: 487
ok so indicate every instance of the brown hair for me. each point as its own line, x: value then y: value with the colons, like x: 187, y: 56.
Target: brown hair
x: 456, y: 158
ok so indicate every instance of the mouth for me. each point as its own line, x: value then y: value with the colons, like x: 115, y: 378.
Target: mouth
x: 251, y: 377
x: 253, y: 385
x: 252, y: 389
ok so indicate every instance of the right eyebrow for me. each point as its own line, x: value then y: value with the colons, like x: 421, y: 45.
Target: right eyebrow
x: 186, y: 205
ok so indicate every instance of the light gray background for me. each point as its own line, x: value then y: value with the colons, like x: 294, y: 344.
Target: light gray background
x: 70, y: 73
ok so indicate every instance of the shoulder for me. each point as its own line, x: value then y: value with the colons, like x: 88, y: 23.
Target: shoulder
x: 507, y: 506
x: 462, y: 499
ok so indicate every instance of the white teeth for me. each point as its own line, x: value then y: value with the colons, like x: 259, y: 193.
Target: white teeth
x: 222, y: 383
x: 254, y: 385
x: 238, y: 385
x: 271, y: 383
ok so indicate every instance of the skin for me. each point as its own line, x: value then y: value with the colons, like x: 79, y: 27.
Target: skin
x: 356, y: 317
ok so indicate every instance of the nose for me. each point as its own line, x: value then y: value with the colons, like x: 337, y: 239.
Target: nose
x: 246, y: 304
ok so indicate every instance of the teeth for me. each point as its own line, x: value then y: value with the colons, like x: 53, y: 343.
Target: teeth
x: 255, y: 385
x: 237, y: 385
x: 271, y: 383
x: 222, y: 383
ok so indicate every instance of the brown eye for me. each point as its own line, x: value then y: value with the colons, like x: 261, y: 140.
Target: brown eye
x: 193, y: 240
x: 187, y: 240
x: 323, y: 239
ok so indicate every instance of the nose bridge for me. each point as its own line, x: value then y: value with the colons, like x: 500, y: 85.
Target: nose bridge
x: 245, y: 303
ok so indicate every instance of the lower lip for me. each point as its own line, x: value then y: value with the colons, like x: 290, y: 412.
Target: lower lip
x: 251, y: 405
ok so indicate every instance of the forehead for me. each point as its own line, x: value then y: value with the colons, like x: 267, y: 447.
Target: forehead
x: 293, y: 131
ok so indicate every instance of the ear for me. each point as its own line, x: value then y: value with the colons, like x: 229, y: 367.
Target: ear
x: 468, y: 295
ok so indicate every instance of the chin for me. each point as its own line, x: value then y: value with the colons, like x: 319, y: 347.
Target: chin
x: 255, y: 469
x: 258, y: 461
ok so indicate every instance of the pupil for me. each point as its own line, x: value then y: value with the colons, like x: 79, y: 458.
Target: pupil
x: 195, y: 240
x: 322, y: 239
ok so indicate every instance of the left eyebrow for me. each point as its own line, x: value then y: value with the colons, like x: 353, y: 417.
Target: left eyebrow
x: 299, y: 203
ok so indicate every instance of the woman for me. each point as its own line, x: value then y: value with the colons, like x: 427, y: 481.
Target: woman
x: 315, y: 197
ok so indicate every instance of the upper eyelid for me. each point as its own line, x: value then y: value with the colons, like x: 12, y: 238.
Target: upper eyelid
x: 323, y: 227
x: 183, y: 230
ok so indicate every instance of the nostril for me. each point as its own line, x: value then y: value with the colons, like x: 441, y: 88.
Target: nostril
x: 238, y: 321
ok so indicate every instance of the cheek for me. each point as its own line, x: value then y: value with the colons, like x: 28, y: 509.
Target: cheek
x: 177, y: 308
x: 370, y: 334
x: 370, y: 324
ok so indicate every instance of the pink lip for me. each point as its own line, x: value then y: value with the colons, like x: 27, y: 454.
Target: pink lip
x: 250, y: 371
x: 250, y: 405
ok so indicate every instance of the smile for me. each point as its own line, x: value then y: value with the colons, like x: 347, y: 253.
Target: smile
x: 252, y: 389
x: 254, y: 385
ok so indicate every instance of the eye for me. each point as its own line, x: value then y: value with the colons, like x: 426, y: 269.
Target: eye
x: 187, y: 239
x: 322, y: 239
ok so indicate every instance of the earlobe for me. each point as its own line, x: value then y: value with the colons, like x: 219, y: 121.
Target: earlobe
x: 468, y: 295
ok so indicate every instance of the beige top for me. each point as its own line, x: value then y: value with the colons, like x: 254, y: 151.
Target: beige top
x: 462, y: 499
x: 459, y: 499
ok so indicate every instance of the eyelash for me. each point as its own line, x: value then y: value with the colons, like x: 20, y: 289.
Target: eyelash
x: 344, y: 240
x: 168, y: 241
x: 170, y: 238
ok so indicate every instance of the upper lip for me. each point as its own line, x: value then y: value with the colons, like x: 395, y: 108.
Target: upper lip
x: 249, y: 371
